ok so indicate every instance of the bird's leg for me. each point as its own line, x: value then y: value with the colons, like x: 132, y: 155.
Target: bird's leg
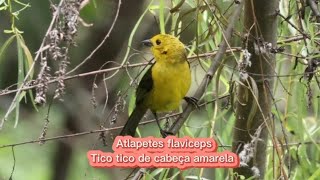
x: 192, y: 100
x: 163, y: 133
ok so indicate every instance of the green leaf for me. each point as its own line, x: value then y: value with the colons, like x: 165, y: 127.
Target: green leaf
x: 15, y: 14
x: 27, y: 55
x: 156, y: 172
x: 3, y: 8
x: 21, y: 96
x: 188, y: 132
x: 153, y: 7
x: 5, y: 46
x: 161, y: 17
x: 32, y: 100
x: 20, y: 77
x: 17, y: 30
x: 22, y: 4
x: 315, y: 175
x: 164, y: 174
x: 7, y: 31
x: 28, y: 61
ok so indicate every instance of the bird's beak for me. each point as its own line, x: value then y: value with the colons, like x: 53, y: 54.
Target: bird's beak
x: 147, y: 43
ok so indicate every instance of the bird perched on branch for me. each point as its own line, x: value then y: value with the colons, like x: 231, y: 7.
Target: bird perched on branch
x: 165, y: 83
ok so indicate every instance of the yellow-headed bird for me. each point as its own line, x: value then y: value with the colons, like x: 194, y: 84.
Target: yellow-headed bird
x: 165, y: 84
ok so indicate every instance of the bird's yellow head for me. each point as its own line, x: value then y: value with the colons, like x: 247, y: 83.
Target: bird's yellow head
x: 166, y: 48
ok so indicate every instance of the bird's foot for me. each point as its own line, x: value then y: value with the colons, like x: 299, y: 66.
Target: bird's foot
x: 192, y: 100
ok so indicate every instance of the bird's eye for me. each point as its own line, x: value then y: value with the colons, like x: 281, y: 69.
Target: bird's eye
x: 158, y: 42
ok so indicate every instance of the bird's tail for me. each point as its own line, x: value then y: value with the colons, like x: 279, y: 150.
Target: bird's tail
x: 133, y: 121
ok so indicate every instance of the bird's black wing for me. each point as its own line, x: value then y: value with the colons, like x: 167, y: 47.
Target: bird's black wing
x: 145, y: 86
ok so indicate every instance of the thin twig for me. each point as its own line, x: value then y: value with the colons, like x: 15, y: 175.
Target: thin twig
x: 6, y: 91
x: 77, y: 76
x: 177, y: 7
x: 14, y: 163
x: 304, y: 35
x: 91, y: 73
x: 101, y: 43
x: 295, y: 38
x: 103, y: 129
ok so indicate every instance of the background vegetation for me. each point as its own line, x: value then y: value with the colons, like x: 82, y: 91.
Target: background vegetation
x: 68, y: 70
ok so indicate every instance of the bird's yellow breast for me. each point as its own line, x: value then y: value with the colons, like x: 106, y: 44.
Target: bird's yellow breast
x: 171, y: 82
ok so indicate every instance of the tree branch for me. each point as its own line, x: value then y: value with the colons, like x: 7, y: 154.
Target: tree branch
x: 315, y: 10
x: 42, y: 140
x: 6, y: 91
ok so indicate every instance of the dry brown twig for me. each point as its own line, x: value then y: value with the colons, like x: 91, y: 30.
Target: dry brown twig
x: 102, y: 42
x: 42, y: 140
x: 315, y: 10
x: 141, y: 123
x: 30, y: 85
x: 6, y: 91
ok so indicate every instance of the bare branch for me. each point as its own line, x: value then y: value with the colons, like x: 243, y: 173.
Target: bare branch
x: 101, y: 43
x: 315, y: 10
x: 42, y: 140
x: 30, y: 85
